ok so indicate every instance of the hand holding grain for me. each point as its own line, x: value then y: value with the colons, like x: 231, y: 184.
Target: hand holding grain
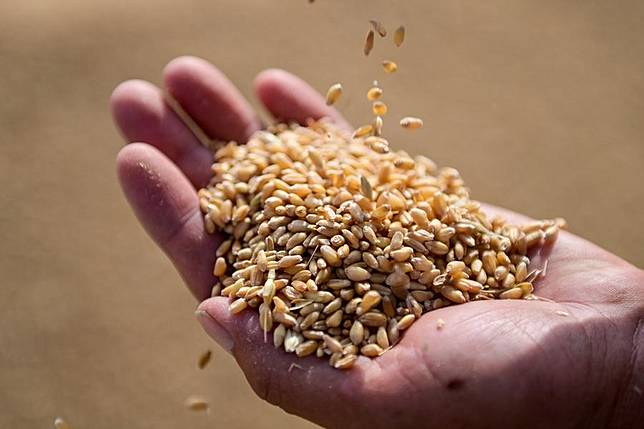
x: 574, y: 362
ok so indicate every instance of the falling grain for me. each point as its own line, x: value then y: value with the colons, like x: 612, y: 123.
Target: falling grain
x: 411, y: 123
x: 341, y: 245
x: 379, y: 108
x: 365, y: 188
x: 389, y: 66
x: 374, y: 93
x: 368, y: 44
x: 379, y: 28
x: 59, y: 423
x: 333, y: 94
x: 204, y: 359
x: 399, y: 36
x: 363, y: 131
x: 196, y: 403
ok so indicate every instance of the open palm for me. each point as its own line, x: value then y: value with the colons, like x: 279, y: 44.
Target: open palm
x: 575, y: 362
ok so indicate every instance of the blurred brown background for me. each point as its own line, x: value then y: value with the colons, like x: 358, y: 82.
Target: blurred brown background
x: 540, y: 104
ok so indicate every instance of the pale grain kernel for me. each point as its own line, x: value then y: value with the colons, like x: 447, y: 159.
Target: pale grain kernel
x: 196, y: 403
x: 411, y: 123
x: 333, y: 94
x: 356, y: 334
x: 237, y: 305
x: 59, y: 423
x: 332, y: 344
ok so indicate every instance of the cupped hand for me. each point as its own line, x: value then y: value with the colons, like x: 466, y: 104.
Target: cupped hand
x: 574, y: 361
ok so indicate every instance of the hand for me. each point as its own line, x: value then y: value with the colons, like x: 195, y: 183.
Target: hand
x: 575, y: 362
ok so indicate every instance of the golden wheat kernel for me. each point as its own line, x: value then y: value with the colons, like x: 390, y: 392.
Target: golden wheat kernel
x: 196, y: 403
x: 371, y: 350
x: 373, y: 319
x: 411, y: 123
x: 220, y: 267
x: 381, y: 338
x: 379, y: 108
x: 306, y: 348
x: 389, y: 66
x: 356, y: 334
x: 332, y: 344
x: 453, y: 294
x: 204, y: 358
x: 378, y: 27
x: 402, y: 254
x: 278, y: 336
x: 238, y: 305
x: 526, y: 287
x: 333, y: 94
x: 368, y: 44
x: 362, y: 131
x: 374, y: 93
x: 308, y: 320
x: 514, y: 293
x: 59, y: 423
x: 345, y: 362
x: 405, y: 322
x: 369, y: 300
x: 399, y: 35
x: 356, y: 273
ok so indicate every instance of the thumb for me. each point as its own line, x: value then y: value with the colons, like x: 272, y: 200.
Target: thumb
x: 297, y: 385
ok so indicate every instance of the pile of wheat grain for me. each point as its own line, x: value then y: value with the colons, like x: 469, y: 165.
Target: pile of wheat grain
x: 340, y: 246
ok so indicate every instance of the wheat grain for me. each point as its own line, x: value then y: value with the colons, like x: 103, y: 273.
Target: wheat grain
x: 379, y: 28
x: 389, y: 66
x: 379, y: 108
x: 374, y: 93
x: 204, y: 359
x: 60, y: 423
x: 341, y: 244
x: 196, y: 403
x: 368, y: 44
x: 399, y: 36
x: 333, y: 94
x: 411, y: 123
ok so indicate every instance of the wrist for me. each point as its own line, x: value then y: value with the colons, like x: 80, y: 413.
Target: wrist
x: 629, y: 405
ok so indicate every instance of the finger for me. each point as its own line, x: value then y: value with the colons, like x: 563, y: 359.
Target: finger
x: 207, y: 95
x: 141, y: 113
x: 298, y: 385
x: 168, y: 208
x: 288, y: 97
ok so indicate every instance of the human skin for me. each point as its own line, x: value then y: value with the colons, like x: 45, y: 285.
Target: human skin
x: 574, y: 360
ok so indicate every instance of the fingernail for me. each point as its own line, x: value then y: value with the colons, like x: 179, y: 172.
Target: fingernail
x: 215, y: 330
